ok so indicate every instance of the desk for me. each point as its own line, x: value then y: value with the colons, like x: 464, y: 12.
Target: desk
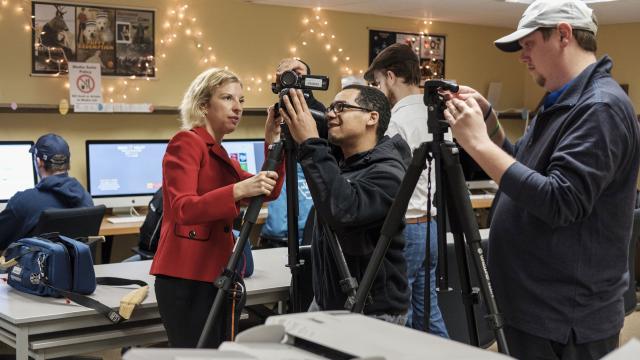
x: 47, y: 327
x: 109, y: 230
x: 481, y: 201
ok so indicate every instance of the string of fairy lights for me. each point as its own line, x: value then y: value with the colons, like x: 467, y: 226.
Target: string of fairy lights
x: 181, y: 24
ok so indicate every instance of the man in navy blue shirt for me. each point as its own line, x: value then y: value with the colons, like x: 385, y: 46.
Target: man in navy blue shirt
x: 56, y: 190
x: 562, y: 219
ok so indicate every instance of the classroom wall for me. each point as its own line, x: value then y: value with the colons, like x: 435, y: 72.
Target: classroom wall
x: 248, y: 38
x: 251, y: 39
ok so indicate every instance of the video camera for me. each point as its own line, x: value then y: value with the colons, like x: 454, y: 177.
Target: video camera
x: 291, y: 80
x: 435, y: 103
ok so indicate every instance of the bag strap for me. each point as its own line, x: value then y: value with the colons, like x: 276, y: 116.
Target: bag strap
x: 127, y: 303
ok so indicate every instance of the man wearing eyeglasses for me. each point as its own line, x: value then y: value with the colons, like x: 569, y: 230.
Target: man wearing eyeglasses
x: 396, y: 72
x: 353, y: 197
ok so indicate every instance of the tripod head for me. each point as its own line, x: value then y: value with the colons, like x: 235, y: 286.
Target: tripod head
x: 434, y: 101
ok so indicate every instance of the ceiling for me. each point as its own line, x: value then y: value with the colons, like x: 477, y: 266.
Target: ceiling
x: 477, y: 12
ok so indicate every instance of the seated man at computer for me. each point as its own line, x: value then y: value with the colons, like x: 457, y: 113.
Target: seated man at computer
x: 56, y: 189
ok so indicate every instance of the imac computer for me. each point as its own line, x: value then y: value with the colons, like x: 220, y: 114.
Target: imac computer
x: 17, y: 172
x: 248, y: 152
x: 122, y: 174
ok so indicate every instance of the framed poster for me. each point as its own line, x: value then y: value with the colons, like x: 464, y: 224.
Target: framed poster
x: 120, y: 40
x: 429, y: 48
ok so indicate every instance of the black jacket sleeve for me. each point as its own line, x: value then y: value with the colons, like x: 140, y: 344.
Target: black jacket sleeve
x: 344, y: 203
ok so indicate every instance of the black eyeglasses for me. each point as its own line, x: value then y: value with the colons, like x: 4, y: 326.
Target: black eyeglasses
x: 338, y: 107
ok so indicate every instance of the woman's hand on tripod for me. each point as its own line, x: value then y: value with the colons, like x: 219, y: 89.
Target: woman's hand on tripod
x: 272, y: 126
x: 301, y: 124
x: 260, y: 184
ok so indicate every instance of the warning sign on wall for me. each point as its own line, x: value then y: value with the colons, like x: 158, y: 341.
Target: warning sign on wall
x: 84, y: 83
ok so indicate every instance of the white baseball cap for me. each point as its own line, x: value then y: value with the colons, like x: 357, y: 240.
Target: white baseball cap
x: 548, y: 14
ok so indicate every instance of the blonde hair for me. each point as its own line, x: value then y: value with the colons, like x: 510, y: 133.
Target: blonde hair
x: 200, y: 92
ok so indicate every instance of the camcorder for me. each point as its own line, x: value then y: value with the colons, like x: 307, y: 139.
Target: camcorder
x: 435, y: 102
x: 291, y: 80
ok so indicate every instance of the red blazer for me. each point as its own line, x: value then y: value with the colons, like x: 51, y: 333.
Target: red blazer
x: 197, y: 188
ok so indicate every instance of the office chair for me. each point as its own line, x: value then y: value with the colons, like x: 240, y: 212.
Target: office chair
x: 630, y: 300
x: 74, y: 223
x: 452, y: 308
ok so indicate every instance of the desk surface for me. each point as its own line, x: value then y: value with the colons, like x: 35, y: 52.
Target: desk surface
x: 43, y: 327
x: 270, y: 276
x: 133, y: 228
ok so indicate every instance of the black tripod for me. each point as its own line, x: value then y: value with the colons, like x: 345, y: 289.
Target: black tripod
x: 451, y: 199
x: 229, y: 275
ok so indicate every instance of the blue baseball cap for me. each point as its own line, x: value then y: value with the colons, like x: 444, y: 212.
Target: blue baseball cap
x: 50, y: 145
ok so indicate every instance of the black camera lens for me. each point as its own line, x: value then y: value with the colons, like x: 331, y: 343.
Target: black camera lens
x: 288, y: 79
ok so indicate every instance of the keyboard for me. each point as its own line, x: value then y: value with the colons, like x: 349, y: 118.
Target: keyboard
x: 125, y: 219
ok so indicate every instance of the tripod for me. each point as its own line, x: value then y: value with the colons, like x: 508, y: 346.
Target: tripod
x: 452, y: 199
x: 229, y: 275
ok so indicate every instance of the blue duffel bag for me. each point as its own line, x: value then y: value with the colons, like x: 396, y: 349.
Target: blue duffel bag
x: 58, y: 266
x: 48, y: 265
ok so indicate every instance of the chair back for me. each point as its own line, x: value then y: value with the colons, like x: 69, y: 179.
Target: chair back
x: 73, y: 223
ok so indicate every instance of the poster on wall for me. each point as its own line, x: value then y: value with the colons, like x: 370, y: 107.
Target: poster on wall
x: 121, y: 41
x: 134, y: 42
x: 429, y: 48
x: 53, y: 38
x: 96, y: 41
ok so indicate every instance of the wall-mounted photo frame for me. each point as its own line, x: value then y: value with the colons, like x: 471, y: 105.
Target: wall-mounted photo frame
x: 120, y: 40
x: 429, y: 48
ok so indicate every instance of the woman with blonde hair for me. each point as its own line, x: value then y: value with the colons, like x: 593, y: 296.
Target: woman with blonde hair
x: 202, y: 189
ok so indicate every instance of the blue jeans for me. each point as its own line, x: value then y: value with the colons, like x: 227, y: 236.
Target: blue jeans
x: 414, y: 251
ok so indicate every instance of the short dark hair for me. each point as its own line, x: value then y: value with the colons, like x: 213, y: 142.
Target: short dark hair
x: 399, y: 59
x: 585, y: 39
x: 57, y: 163
x: 373, y: 99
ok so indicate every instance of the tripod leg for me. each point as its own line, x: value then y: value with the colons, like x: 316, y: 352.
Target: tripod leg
x: 391, y: 224
x: 291, y: 168
x: 227, y: 278
x: 462, y: 217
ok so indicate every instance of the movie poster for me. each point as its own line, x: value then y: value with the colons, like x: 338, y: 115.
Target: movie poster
x: 134, y: 42
x: 429, y: 48
x: 53, y: 37
x: 96, y: 39
x: 120, y: 40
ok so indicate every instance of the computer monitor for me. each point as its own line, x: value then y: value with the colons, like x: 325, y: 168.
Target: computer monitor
x: 248, y: 152
x: 473, y: 173
x: 16, y: 169
x: 124, y: 173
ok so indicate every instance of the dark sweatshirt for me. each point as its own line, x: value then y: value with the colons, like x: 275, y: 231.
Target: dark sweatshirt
x: 560, y: 233
x: 23, y: 209
x: 354, y: 198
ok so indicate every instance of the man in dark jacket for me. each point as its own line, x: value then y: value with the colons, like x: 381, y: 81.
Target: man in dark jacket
x: 353, y: 197
x: 56, y: 190
x: 562, y: 221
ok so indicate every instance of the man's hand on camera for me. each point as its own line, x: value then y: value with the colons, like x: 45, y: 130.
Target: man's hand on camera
x: 272, y: 126
x: 467, y: 124
x: 297, y: 116
x: 466, y: 92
